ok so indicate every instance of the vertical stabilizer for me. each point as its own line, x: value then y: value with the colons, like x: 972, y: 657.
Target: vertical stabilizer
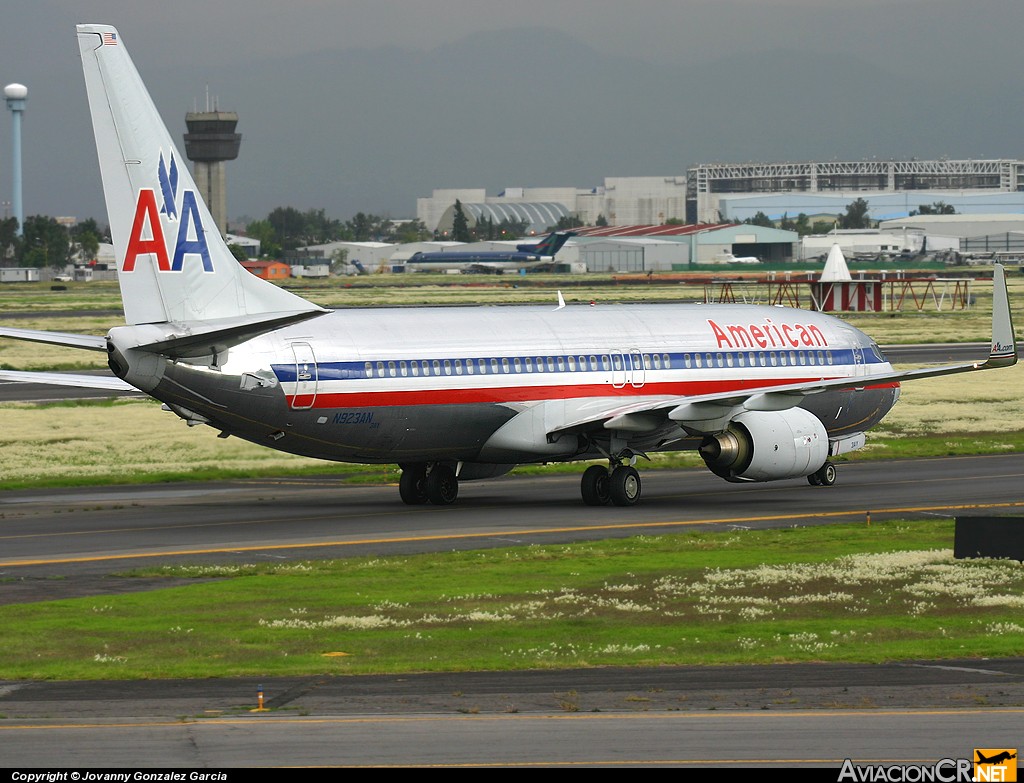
x: 173, y: 264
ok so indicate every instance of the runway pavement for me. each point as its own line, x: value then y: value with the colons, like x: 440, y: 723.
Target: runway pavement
x: 787, y: 715
x: 83, y: 534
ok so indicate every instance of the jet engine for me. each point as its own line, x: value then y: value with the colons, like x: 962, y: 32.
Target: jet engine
x: 767, y: 445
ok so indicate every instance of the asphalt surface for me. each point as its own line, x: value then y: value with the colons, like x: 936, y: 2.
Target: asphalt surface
x: 83, y: 535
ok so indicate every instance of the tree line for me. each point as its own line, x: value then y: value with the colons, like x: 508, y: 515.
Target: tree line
x: 286, y: 229
x: 46, y: 243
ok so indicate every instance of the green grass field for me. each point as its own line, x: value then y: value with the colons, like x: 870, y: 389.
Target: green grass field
x: 837, y: 593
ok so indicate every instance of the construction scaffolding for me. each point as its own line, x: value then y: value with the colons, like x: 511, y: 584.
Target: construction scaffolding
x: 878, y: 294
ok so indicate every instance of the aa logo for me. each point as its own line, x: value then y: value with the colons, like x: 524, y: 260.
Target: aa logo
x: 182, y: 221
x: 995, y: 764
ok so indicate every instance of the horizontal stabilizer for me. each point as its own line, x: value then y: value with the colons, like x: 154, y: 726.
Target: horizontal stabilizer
x: 80, y: 381
x: 86, y: 341
x: 192, y: 340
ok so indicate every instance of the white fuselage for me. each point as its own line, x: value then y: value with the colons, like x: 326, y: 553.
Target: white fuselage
x: 390, y: 385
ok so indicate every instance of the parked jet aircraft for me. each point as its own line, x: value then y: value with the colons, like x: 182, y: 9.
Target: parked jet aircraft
x: 454, y: 394
x: 525, y: 256
x: 729, y: 258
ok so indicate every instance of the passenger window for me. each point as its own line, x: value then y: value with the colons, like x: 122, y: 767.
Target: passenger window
x: 561, y: 363
x: 391, y: 369
x: 494, y: 366
x: 529, y: 364
x: 657, y: 362
x: 729, y: 359
x: 504, y: 366
x: 606, y: 363
x: 437, y: 367
x: 458, y: 366
x: 380, y: 369
x: 517, y: 365
x: 593, y: 364
x: 403, y: 368
x: 572, y: 364
x: 696, y: 360
x: 551, y: 364
x: 368, y: 367
x: 447, y: 367
x: 415, y: 368
x: 666, y: 360
x: 687, y: 361
x: 773, y: 359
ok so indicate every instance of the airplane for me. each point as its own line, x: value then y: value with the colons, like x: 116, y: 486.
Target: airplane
x: 525, y: 256
x: 729, y: 258
x: 456, y: 394
x: 999, y: 758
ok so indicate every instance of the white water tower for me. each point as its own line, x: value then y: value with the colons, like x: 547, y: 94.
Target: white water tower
x: 16, y: 94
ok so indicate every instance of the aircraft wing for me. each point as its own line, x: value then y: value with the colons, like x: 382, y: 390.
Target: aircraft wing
x: 82, y: 381
x: 710, y: 411
x: 86, y: 341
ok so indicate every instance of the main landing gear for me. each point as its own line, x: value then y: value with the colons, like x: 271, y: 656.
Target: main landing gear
x: 421, y: 483
x: 825, y: 476
x: 616, y: 484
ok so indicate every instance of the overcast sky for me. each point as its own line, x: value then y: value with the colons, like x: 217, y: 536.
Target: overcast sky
x: 951, y: 50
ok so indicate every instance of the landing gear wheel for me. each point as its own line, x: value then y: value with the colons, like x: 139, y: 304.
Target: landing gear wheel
x: 825, y: 476
x: 412, y: 485
x: 624, y: 486
x: 595, y: 486
x: 442, y: 486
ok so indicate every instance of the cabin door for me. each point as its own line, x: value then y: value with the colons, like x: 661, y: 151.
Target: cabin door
x: 305, y: 376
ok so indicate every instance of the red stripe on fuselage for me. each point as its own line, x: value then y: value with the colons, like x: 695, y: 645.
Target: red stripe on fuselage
x: 503, y: 394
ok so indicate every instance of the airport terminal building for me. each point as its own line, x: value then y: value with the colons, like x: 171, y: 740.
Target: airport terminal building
x: 620, y: 201
x: 734, y: 192
x: 713, y: 193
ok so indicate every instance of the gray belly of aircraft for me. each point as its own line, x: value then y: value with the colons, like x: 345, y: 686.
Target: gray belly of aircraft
x: 253, y: 406
x: 258, y: 411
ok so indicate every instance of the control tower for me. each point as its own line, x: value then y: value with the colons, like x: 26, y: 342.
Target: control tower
x: 211, y: 140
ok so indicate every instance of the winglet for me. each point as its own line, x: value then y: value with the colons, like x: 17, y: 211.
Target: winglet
x: 1004, y: 346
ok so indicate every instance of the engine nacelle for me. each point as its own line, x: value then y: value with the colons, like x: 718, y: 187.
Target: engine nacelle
x: 767, y: 445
